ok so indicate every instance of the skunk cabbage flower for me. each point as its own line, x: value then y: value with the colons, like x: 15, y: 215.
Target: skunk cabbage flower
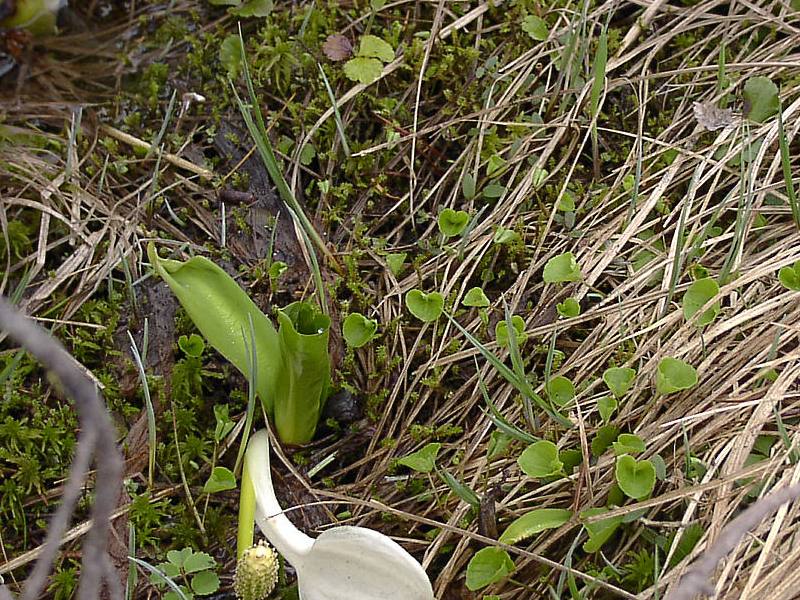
x: 343, y: 563
x: 256, y: 573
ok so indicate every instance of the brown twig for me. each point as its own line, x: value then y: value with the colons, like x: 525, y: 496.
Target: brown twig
x: 96, y: 438
x: 696, y: 580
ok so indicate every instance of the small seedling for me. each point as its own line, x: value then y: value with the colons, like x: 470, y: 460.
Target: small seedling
x: 475, y: 297
x: 423, y: 460
x: 396, y: 262
x: 636, y: 478
x: 790, y: 277
x: 674, y: 375
x: 367, y: 65
x: 540, y: 459
x: 426, y: 307
x: 569, y: 308
x: 561, y: 391
x: 192, y: 346
x: 358, y: 330
x: 488, y: 566
x: 697, y: 295
x: 607, y: 406
x: 562, y: 268
x: 452, y: 222
x: 501, y: 331
x: 194, y: 569
x: 619, y: 380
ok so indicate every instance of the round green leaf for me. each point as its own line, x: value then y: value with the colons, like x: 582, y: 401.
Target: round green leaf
x: 540, y: 459
x: 198, y: 561
x: 674, y: 375
x: 363, y: 69
x: 205, y: 583
x: 619, y: 379
x: 426, y: 307
x: 220, y: 480
x: 534, y: 522
x: 606, y: 406
x: 790, y: 277
x: 636, y: 478
x: 452, y: 222
x: 535, y: 27
x: 423, y: 460
x: 488, y: 566
x: 230, y: 55
x: 561, y: 391
x: 569, y: 308
x: 627, y: 443
x: 475, y: 297
x: 696, y: 296
x: 358, y: 329
x: 562, y: 268
x: 501, y: 331
x: 374, y: 47
x: 760, y: 99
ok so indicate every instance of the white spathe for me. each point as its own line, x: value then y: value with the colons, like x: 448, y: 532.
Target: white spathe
x: 343, y: 563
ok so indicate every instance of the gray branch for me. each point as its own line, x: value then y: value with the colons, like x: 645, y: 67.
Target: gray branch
x: 96, y: 438
x: 697, y: 579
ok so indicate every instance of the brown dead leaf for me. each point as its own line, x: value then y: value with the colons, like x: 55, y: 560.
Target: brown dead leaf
x: 337, y: 47
x: 712, y: 117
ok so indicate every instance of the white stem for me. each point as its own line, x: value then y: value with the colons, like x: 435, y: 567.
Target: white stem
x: 292, y: 543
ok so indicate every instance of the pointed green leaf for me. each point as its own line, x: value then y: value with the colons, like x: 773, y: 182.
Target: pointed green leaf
x: 475, y: 297
x: 534, y: 522
x: 220, y: 480
x: 488, y: 566
x: 423, y: 460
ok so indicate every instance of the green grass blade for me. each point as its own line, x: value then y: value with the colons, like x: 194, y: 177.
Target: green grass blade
x: 337, y: 117
x: 151, y: 415
x: 786, y: 165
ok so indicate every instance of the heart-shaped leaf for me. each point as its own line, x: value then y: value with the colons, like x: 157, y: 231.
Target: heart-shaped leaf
x: 619, y: 379
x: 561, y: 391
x: 599, y: 531
x: 569, y: 308
x: 475, y: 297
x: 790, y: 277
x: 760, y: 99
x: 562, y: 268
x: 696, y: 296
x: 220, y: 480
x: 488, y: 566
x: 358, y: 329
x: 636, y: 478
x: 534, y: 522
x: 396, y: 262
x: 423, y: 460
x: 627, y: 443
x: 606, y: 406
x: 501, y: 331
x: 452, y: 222
x: 192, y: 346
x: 426, y: 307
x: 540, y: 459
x: 674, y: 375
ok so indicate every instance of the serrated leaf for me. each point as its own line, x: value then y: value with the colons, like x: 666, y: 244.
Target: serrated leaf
x: 363, y: 69
x: 372, y: 46
x: 178, y: 557
x: 198, y: 561
x: 534, y: 522
x: 205, y: 583
x: 535, y: 27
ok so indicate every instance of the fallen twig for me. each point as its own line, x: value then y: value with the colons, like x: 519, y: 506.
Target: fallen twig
x: 96, y: 439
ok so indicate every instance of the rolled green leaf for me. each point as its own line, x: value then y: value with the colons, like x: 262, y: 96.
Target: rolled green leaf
x: 293, y: 367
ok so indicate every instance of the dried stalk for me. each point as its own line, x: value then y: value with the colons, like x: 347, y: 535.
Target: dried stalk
x: 96, y: 439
